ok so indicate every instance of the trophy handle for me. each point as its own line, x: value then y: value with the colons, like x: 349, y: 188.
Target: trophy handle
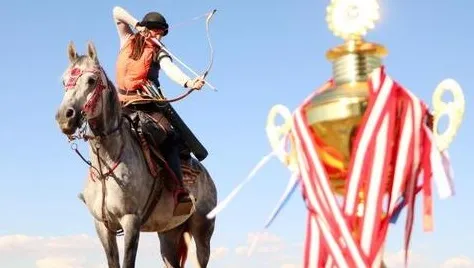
x: 277, y: 134
x: 453, y: 109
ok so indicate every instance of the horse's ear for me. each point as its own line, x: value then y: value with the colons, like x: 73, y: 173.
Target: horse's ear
x: 91, y: 52
x: 71, y: 52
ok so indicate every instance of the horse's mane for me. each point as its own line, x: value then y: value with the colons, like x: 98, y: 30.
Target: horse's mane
x: 112, y: 96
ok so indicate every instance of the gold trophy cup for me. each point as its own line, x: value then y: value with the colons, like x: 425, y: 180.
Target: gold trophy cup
x: 335, y: 114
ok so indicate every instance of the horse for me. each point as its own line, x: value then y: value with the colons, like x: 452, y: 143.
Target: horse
x: 119, y: 185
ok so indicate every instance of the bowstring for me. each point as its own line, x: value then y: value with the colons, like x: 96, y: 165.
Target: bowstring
x: 208, y: 16
x: 188, y: 21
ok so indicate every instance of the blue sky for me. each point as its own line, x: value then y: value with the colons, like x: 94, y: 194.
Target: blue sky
x: 265, y: 53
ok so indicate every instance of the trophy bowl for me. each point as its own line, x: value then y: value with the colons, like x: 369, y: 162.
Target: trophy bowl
x: 335, y: 114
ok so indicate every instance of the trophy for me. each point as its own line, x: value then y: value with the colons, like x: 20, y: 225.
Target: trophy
x: 360, y: 145
x: 356, y: 135
x: 336, y: 112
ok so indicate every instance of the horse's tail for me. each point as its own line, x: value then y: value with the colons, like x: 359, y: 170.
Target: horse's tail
x: 183, y: 247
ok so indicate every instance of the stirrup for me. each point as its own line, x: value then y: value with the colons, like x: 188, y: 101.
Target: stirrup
x: 184, y: 208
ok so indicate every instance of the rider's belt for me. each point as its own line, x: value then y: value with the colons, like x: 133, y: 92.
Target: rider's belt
x: 127, y: 97
x: 128, y: 92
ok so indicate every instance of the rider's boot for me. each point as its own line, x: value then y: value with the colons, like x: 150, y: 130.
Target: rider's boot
x: 183, y: 202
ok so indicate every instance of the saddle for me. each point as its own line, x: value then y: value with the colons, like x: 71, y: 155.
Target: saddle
x: 150, y: 129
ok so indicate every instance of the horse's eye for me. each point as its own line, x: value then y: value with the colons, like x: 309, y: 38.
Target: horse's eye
x: 91, y: 81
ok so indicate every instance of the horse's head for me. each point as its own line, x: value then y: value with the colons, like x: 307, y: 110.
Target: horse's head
x: 86, y: 86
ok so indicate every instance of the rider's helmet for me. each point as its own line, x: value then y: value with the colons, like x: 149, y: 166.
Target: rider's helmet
x: 154, y: 20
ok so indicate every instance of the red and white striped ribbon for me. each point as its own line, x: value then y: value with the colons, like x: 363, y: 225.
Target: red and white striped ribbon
x: 392, y: 135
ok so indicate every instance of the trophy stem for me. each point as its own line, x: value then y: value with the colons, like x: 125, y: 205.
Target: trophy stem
x: 354, y: 61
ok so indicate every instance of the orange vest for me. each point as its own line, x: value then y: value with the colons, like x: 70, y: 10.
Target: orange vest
x: 130, y: 73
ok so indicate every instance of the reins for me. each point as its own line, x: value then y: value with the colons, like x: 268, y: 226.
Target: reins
x: 100, y: 175
x: 89, y: 108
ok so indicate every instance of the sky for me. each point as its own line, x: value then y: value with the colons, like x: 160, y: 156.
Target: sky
x: 265, y: 53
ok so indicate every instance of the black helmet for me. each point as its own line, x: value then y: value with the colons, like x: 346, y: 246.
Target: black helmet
x: 154, y: 20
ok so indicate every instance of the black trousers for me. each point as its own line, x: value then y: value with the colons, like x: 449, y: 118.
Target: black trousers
x: 169, y: 146
x: 170, y: 150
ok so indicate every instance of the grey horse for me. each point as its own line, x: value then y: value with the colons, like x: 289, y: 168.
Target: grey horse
x: 119, y: 184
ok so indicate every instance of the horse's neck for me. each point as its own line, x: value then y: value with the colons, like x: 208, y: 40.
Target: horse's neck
x: 111, y: 124
x: 108, y: 148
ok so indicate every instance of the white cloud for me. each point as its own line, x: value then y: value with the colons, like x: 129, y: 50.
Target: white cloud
x: 264, y: 242
x: 397, y: 259
x: 41, y: 244
x: 265, y: 237
x: 458, y: 262
x: 219, y: 253
x: 80, y: 251
x: 290, y: 265
x: 241, y: 250
x: 59, y: 263
x: 72, y: 251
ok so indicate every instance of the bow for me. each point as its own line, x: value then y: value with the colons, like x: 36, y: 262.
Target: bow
x: 211, y: 49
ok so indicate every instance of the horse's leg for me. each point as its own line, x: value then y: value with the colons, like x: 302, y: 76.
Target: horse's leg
x: 172, y: 246
x: 202, y: 229
x: 109, y: 243
x: 131, y: 227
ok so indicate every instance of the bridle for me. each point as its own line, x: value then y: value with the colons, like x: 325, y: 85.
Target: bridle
x: 90, y: 106
x: 74, y: 75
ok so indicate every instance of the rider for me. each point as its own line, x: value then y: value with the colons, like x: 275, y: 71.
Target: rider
x: 139, y: 61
